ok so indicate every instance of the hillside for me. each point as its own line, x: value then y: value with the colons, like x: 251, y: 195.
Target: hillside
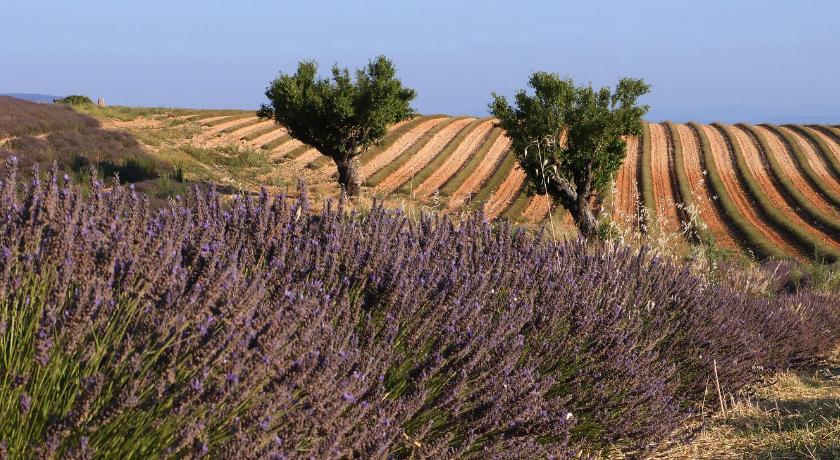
x: 765, y: 190
x: 771, y: 190
x: 33, y: 97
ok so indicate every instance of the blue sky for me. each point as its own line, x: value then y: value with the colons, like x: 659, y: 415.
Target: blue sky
x: 756, y: 61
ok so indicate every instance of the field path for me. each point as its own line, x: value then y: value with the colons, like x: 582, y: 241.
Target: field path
x: 473, y: 183
x: 723, y: 157
x: 460, y: 156
x: 761, y: 171
x: 506, y: 193
x: 816, y: 161
x: 703, y: 196
x: 662, y: 158
x: 626, y: 197
x: 404, y: 142
x: 437, y: 143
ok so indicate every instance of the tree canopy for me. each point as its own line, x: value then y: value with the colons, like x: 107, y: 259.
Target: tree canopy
x: 569, y: 139
x: 340, y: 116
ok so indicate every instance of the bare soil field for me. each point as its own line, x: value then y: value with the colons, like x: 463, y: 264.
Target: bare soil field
x: 626, y: 196
x: 538, y: 208
x: 268, y: 137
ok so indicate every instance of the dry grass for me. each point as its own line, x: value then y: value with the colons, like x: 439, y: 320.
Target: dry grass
x: 796, y: 415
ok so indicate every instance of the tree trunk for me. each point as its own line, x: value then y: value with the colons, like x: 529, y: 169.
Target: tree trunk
x: 583, y: 213
x: 348, y: 176
x: 585, y: 219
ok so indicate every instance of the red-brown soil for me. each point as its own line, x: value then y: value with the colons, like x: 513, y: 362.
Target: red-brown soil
x: 460, y: 156
x: 537, y: 209
x: 662, y: 159
x: 393, y: 151
x: 502, y: 197
x: 417, y: 161
x: 626, y: 196
x: 815, y: 160
x: 473, y: 183
x: 740, y: 197
x: 761, y: 171
x: 703, y: 196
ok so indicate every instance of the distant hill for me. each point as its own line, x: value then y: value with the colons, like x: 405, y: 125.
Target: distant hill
x: 42, y: 98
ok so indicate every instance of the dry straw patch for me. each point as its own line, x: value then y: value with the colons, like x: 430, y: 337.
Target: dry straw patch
x: 796, y: 416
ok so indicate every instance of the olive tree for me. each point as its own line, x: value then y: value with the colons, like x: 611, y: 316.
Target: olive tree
x: 569, y: 139
x: 339, y: 116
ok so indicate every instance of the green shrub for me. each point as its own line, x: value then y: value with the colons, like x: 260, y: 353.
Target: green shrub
x: 131, y: 169
x: 75, y: 99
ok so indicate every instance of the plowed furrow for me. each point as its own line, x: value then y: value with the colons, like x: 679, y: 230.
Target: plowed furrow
x: 537, y: 209
x: 740, y: 197
x: 234, y: 136
x: 761, y: 171
x: 306, y: 157
x: 473, y: 183
x: 404, y: 142
x: 455, y: 161
x: 793, y: 172
x: 266, y: 138
x: 212, y: 119
x: 285, y: 148
x: 815, y: 160
x: 209, y: 134
x: 832, y: 142
x: 663, y: 189
x: 704, y: 199
x: 506, y: 193
x: 423, y: 156
x: 626, y: 197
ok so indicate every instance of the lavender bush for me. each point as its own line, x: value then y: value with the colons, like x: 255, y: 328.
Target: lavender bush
x: 257, y: 328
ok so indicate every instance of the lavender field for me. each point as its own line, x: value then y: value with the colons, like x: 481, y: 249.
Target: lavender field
x: 260, y: 329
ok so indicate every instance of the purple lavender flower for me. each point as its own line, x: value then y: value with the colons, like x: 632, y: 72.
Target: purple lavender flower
x: 24, y: 403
